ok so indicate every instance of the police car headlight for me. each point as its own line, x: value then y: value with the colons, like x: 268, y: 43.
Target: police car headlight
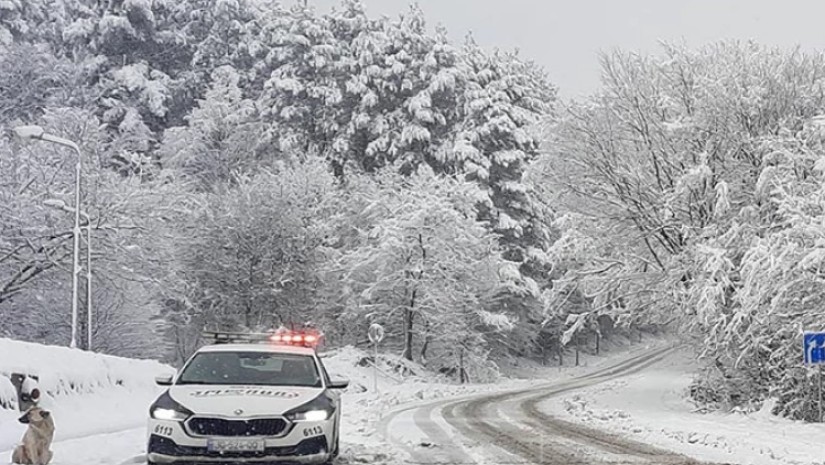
x: 168, y: 414
x: 312, y: 415
x: 166, y: 408
x: 319, y: 409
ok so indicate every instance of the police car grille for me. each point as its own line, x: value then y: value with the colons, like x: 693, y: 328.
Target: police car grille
x: 221, y: 427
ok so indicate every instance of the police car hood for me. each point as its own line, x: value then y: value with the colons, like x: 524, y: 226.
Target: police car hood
x: 252, y: 400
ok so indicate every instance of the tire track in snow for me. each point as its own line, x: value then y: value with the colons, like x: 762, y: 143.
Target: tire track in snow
x: 441, y: 450
x: 469, y: 437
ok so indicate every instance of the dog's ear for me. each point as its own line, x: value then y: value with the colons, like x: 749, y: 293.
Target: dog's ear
x: 24, y: 419
x: 45, y: 413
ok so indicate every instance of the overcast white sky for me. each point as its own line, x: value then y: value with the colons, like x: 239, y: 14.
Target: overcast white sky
x: 565, y: 36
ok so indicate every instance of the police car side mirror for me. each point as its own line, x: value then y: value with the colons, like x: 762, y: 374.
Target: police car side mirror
x: 340, y: 383
x: 165, y: 380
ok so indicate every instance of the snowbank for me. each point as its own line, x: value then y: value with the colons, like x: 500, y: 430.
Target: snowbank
x: 62, y: 371
x: 87, y: 393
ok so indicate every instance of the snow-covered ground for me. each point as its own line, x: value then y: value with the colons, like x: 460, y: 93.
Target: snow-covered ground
x: 104, y: 421
x: 652, y: 407
x: 100, y: 406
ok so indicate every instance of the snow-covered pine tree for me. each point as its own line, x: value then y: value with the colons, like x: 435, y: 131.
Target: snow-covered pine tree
x: 221, y: 139
x: 147, y: 60
x: 302, y: 97
x: 504, y: 100
x: 404, y: 89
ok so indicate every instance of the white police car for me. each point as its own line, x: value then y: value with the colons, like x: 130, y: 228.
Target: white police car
x: 248, y: 403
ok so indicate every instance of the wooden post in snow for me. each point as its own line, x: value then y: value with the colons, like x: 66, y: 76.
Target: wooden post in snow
x: 577, y: 350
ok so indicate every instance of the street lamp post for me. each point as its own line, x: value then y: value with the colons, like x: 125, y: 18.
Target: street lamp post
x: 60, y: 205
x: 89, y: 283
x: 37, y: 133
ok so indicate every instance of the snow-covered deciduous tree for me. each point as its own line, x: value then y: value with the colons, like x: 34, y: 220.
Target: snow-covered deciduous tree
x: 694, y: 177
x: 253, y: 256
x: 760, y: 284
x: 421, y: 263
x: 35, y: 79
x: 129, y: 222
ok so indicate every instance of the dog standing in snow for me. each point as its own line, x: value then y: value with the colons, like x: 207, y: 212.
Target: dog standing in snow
x: 35, y: 448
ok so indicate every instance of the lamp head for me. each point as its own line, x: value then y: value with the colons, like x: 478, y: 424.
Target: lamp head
x: 29, y: 132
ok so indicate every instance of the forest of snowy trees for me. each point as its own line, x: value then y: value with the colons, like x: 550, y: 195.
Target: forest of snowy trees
x: 249, y: 164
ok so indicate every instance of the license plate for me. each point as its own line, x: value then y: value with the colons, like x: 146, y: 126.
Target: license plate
x: 234, y: 445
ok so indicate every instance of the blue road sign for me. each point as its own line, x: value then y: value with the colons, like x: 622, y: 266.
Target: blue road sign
x: 814, y: 348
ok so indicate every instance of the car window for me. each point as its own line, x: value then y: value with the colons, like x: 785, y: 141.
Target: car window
x: 324, y: 372
x: 251, y: 368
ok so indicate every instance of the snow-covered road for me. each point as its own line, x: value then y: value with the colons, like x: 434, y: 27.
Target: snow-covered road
x: 508, y: 427
x: 125, y: 447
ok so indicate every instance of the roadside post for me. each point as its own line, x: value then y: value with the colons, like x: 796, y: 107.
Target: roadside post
x: 813, y: 345
x: 28, y: 392
x: 376, y: 335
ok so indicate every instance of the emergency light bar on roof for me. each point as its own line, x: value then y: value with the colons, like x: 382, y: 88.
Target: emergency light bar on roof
x: 221, y: 337
x: 300, y: 338
x: 305, y: 338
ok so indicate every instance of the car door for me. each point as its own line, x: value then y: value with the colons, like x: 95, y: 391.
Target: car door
x: 334, y: 394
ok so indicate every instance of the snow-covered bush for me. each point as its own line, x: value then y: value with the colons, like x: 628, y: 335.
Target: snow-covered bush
x: 769, y: 284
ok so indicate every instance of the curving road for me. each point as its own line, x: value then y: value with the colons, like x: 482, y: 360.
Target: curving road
x: 508, y: 428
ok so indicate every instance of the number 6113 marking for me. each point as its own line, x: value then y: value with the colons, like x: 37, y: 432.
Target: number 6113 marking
x: 314, y: 431
x: 163, y: 430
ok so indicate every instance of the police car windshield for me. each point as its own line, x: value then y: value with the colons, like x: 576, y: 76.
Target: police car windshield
x: 251, y: 368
